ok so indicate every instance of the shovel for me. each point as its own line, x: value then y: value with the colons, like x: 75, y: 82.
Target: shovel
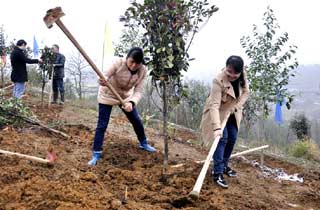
x: 51, y: 156
x: 53, y: 16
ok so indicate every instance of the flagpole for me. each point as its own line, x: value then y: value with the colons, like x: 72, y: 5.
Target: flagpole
x: 35, y: 47
x: 107, y: 50
x: 103, y: 46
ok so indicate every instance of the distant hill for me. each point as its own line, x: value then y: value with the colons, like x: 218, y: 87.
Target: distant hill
x: 307, y: 78
x: 306, y: 86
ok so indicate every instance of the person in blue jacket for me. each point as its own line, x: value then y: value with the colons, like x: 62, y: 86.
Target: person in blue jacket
x: 58, y: 75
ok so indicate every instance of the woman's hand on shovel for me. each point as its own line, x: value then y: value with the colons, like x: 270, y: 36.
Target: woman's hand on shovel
x: 103, y: 82
x: 217, y: 133
x: 127, y: 107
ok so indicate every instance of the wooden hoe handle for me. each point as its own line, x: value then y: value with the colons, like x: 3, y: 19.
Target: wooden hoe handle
x: 88, y: 59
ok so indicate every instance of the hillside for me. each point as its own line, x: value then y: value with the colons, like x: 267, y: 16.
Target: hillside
x: 71, y: 184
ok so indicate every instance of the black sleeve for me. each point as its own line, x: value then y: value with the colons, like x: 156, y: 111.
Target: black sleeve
x: 26, y: 59
x: 132, y: 103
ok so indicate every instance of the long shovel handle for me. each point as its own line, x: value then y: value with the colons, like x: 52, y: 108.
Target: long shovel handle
x: 198, y: 185
x: 28, y: 157
x: 195, y: 193
x: 88, y: 59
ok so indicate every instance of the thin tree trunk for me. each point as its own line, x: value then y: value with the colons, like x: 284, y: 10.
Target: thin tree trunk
x: 80, y: 86
x: 76, y: 85
x: 288, y: 135
x: 148, y: 98
x: 80, y: 91
x: 258, y: 125
x: 43, y: 85
x: 186, y: 115
x: 42, y: 92
x: 165, y: 128
x: 317, y: 132
x: 247, y: 126
x: 51, y: 89
x: 176, y: 116
x: 265, y: 136
x: 2, y: 76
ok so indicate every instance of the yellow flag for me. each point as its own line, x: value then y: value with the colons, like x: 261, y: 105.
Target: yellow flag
x: 108, y: 51
x: 108, y: 48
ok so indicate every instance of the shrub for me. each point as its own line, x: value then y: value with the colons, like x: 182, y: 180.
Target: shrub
x: 298, y: 149
x: 307, y: 149
x: 12, y: 111
x: 300, y: 126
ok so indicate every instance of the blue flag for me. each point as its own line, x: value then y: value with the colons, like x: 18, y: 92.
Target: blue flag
x: 278, y: 110
x: 35, y: 47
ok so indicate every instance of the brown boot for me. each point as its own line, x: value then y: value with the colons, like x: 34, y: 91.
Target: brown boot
x: 61, y: 98
x: 55, y: 97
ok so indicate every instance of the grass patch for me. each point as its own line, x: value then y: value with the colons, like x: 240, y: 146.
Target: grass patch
x: 307, y: 149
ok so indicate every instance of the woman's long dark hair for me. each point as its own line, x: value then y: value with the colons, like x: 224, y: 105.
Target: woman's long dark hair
x: 136, y: 53
x: 236, y: 62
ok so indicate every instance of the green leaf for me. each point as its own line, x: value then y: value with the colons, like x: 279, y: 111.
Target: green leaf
x: 271, y: 63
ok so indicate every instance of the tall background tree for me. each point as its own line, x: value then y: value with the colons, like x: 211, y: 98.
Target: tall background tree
x: 272, y: 63
x: 2, y: 54
x: 5, y: 49
x: 197, y: 93
x: 76, y: 67
x: 170, y: 27
x: 130, y: 37
x: 69, y: 90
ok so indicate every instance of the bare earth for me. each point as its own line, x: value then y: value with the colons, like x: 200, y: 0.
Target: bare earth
x: 71, y: 184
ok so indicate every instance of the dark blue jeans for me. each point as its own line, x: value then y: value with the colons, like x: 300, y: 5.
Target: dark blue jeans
x: 57, y: 85
x: 225, y: 146
x: 103, y: 121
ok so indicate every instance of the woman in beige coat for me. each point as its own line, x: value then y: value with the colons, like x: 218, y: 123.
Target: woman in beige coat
x: 223, y: 110
x: 127, y: 77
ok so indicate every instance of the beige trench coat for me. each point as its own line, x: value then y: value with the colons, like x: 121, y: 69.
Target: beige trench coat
x: 220, y: 104
x: 128, y: 86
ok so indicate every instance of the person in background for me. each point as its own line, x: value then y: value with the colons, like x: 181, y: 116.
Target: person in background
x: 222, y: 115
x: 19, y: 74
x: 58, y: 75
x: 127, y: 76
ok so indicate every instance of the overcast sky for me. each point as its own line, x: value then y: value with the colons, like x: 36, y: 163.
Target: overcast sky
x: 215, y: 42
